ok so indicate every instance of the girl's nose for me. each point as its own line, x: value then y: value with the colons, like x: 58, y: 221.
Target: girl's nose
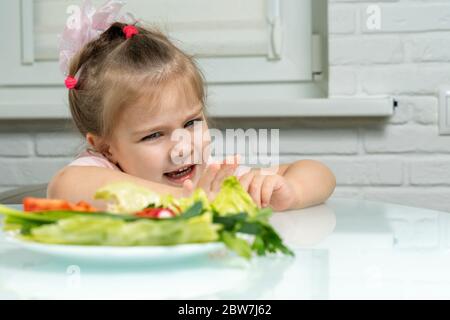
x: 181, y: 153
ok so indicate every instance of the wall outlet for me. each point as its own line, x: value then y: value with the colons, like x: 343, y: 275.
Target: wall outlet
x: 444, y: 111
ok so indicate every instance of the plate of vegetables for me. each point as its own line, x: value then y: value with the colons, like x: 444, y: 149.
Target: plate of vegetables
x: 141, y: 224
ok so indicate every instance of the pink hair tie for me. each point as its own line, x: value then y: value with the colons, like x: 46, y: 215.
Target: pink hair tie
x: 130, y: 31
x: 70, y: 82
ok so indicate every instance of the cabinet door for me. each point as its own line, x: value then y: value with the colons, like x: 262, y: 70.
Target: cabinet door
x: 234, y: 41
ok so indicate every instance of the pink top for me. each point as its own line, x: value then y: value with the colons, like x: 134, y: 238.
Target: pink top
x: 93, y: 158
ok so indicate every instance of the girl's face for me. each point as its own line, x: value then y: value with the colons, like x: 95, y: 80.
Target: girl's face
x: 158, y: 143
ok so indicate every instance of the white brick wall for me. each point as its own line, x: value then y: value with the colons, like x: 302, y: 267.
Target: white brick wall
x: 31, y: 153
x: 401, y: 159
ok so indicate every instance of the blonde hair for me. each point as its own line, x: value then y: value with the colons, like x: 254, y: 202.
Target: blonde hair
x: 114, y: 72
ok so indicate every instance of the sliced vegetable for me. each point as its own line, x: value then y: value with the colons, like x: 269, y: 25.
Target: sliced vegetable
x: 31, y: 204
x: 157, y: 213
x: 83, y: 206
x: 127, y: 198
x: 170, y: 202
x: 38, y: 204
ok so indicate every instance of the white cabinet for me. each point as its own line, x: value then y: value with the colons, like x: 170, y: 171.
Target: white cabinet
x: 234, y: 40
x: 260, y: 57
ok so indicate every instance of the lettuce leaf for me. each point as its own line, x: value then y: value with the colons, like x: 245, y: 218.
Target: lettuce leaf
x: 197, y: 195
x: 126, y: 197
x: 232, y: 198
x: 94, y: 230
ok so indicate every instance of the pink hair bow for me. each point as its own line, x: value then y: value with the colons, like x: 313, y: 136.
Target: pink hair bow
x: 86, y: 24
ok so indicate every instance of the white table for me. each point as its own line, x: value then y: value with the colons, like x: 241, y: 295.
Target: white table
x: 344, y: 249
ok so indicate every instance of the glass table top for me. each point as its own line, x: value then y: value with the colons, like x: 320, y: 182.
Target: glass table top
x: 344, y: 249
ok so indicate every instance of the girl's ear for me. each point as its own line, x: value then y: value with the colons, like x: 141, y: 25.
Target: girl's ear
x: 92, y: 140
x: 100, y: 145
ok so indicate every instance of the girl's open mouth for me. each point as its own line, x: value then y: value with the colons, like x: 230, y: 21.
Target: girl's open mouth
x: 180, y: 175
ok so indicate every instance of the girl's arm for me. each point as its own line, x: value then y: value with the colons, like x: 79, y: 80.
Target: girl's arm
x: 313, y: 182
x: 75, y: 183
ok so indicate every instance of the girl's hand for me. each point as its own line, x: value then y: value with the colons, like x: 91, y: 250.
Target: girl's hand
x: 212, y: 178
x: 269, y: 190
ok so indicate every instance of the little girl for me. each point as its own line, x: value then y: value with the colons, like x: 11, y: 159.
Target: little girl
x: 130, y: 88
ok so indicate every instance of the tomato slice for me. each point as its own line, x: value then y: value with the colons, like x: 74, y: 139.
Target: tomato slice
x: 43, y: 204
x: 83, y: 206
x: 158, y: 213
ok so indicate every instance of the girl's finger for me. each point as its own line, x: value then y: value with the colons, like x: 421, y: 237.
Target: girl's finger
x: 188, y: 187
x: 246, y: 179
x: 234, y: 159
x: 267, y: 190
x: 208, y: 176
x: 226, y: 171
x: 255, y: 189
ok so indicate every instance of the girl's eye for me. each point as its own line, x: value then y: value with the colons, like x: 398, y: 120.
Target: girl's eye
x: 152, y: 136
x: 191, y: 122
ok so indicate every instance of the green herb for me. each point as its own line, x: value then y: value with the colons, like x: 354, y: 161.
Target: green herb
x: 266, y: 240
x: 195, y: 210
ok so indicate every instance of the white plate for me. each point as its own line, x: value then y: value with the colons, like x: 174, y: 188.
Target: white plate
x: 123, y: 254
